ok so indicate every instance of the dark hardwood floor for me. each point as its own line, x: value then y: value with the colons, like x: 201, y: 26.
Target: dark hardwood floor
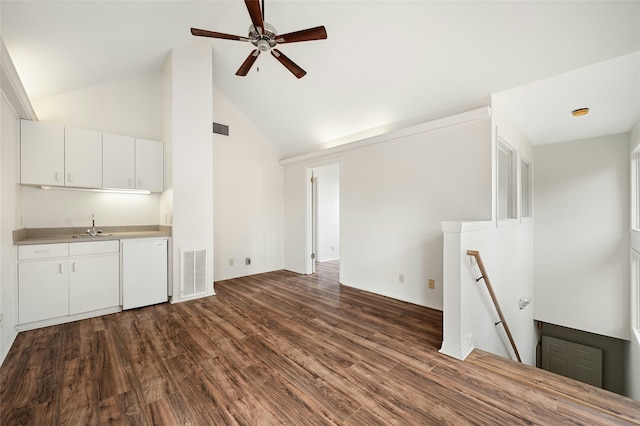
x: 280, y: 348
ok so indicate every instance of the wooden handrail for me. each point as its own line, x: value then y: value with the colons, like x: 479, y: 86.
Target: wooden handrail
x: 485, y: 277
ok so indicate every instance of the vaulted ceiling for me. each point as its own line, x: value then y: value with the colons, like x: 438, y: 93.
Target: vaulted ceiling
x: 384, y: 63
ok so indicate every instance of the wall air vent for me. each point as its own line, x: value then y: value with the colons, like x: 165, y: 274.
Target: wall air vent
x: 220, y: 129
x: 193, y: 263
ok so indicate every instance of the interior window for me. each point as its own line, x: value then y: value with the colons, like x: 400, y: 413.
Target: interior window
x: 506, y: 182
x: 635, y: 193
x: 526, y: 189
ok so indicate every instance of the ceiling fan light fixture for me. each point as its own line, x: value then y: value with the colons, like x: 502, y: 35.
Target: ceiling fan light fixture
x: 263, y: 45
x: 580, y: 112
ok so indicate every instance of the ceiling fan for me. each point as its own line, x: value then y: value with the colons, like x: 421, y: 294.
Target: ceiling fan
x: 265, y: 37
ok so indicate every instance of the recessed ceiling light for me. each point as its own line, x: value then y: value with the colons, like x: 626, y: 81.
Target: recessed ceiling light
x: 580, y: 111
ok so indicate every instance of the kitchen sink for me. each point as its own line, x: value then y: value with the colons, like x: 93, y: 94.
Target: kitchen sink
x: 91, y: 236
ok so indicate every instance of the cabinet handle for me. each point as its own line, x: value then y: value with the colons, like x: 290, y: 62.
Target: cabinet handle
x: 43, y: 251
x: 130, y: 182
x: 74, y: 268
x: 139, y: 183
x: 70, y: 177
x: 57, y: 176
x: 62, y: 268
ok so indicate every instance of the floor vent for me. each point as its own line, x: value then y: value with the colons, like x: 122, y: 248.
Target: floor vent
x: 194, y: 272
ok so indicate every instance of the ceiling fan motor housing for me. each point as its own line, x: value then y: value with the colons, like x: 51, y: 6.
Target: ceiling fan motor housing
x: 265, y: 41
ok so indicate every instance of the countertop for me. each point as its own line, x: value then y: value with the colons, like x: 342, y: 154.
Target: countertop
x: 29, y: 236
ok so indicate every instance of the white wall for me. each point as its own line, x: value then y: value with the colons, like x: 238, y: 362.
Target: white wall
x: 10, y: 210
x: 507, y: 253
x: 394, y: 195
x: 506, y: 248
x: 125, y: 107
x: 129, y: 107
x: 581, y: 209
x: 59, y: 208
x: 248, y: 195
x: 296, y: 246
x: 189, y: 105
x: 328, y: 212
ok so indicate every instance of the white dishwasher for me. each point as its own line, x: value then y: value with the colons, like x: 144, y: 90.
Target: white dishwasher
x: 144, y: 272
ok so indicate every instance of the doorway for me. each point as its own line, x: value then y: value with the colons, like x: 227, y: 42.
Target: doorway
x: 324, y: 215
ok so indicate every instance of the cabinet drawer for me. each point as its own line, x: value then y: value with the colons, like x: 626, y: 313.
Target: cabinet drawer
x: 42, y: 251
x: 94, y: 247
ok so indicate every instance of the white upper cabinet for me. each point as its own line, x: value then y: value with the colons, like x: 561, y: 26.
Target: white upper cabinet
x: 64, y: 156
x: 41, y: 153
x: 118, y: 159
x: 82, y: 158
x: 149, y: 165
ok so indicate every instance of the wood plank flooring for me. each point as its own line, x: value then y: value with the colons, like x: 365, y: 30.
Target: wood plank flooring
x: 280, y: 348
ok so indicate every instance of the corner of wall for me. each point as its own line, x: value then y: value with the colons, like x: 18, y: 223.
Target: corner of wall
x: 634, y: 136
x: 10, y: 214
x: 191, y: 155
x: 12, y: 87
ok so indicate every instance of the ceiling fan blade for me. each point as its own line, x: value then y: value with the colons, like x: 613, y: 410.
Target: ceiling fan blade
x: 248, y: 63
x: 316, y: 33
x: 213, y: 34
x: 288, y: 63
x: 253, y: 6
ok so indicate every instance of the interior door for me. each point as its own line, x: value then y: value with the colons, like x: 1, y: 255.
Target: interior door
x: 569, y: 359
x: 314, y: 221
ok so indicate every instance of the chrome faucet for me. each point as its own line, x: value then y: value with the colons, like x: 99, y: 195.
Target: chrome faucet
x: 93, y: 231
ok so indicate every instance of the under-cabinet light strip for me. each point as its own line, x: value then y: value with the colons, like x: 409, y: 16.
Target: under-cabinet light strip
x: 114, y: 191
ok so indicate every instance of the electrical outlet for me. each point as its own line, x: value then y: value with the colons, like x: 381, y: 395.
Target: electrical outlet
x: 247, y: 261
x: 231, y: 262
x: 401, y: 278
x: 432, y: 283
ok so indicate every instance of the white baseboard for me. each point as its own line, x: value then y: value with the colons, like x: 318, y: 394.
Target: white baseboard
x: 68, y: 318
x: 460, y: 352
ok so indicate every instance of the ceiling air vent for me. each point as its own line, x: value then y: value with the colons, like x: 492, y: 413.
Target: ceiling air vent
x: 221, y: 129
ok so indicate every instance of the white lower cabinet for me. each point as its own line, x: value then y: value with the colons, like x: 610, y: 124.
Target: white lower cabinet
x: 58, y: 280
x: 43, y: 290
x: 94, y: 283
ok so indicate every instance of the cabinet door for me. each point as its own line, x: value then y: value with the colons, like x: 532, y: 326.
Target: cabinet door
x: 118, y: 161
x: 94, y: 283
x: 43, y: 290
x: 82, y: 158
x: 149, y: 165
x: 41, y: 153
